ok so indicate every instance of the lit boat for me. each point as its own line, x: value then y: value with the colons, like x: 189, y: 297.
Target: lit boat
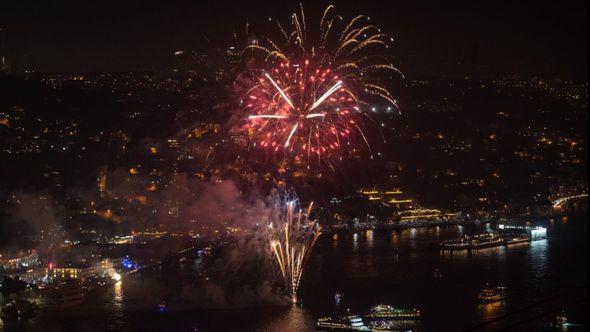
x: 162, y: 307
x: 346, y: 323
x: 477, y: 241
x: 492, y: 294
x: 517, y: 239
x: 387, y: 326
x: 560, y: 320
x: 390, y: 312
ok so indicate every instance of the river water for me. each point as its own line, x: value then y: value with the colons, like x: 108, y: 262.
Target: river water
x: 369, y: 268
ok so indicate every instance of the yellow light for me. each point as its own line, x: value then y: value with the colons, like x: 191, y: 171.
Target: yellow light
x: 116, y: 276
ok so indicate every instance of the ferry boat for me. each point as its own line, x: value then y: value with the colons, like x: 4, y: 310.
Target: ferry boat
x: 345, y: 323
x: 492, y: 294
x: 390, y: 312
x: 478, y: 241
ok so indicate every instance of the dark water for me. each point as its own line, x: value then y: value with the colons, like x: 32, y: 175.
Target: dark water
x: 372, y: 267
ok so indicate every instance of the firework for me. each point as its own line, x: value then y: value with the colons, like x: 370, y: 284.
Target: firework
x: 309, y: 94
x: 301, y: 109
x: 292, y: 238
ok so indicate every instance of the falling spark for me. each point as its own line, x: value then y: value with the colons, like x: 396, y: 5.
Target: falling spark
x: 291, y: 243
x: 291, y: 134
x: 337, y: 86
x: 280, y: 90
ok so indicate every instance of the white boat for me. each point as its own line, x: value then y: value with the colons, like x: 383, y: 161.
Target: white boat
x: 345, y: 323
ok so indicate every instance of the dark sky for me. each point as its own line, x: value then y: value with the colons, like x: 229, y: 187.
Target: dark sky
x: 439, y: 37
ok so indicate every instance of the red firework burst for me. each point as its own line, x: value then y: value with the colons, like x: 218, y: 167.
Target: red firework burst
x: 301, y: 108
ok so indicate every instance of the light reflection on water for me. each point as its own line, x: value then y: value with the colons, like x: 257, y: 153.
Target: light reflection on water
x: 355, y: 240
x: 537, y: 255
x: 118, y: 300
x: 117, y: 308
x: 293, y: 318
x: 492, y: 310
x: 369, y: 238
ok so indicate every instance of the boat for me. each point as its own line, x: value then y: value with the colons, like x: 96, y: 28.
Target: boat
x: 517, y: 239
x: 162, y: 307
x: 560, y: 320
x: 65, y: 296
x: 478, y: 241
x: 387, y: 326
x: 344, y: 323
x: 390, y: 312
x: 492, y: 294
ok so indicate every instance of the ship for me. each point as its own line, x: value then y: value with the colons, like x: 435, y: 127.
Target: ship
x: 478, y: 241
x: 65, y: 296
x: 387, y: 326
x: 344, y: 323
x: 492, y: 294
x: 517, y: 239
x: 389, y: 312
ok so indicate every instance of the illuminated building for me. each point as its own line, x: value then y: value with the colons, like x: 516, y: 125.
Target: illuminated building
x: 387, y: 196
x: 22, y: 261
x: 62, y: 273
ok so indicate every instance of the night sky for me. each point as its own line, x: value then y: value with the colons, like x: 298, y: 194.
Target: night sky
x: 453, y: 38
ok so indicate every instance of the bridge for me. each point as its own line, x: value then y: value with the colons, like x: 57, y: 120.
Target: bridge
x: 559, y: 202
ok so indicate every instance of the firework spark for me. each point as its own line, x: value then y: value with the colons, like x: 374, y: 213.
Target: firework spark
x: 311, y: 93
x: 301, y: 109
x: 291, y: 241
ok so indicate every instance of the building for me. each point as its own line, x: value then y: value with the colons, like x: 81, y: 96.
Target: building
x: 389, y: 197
